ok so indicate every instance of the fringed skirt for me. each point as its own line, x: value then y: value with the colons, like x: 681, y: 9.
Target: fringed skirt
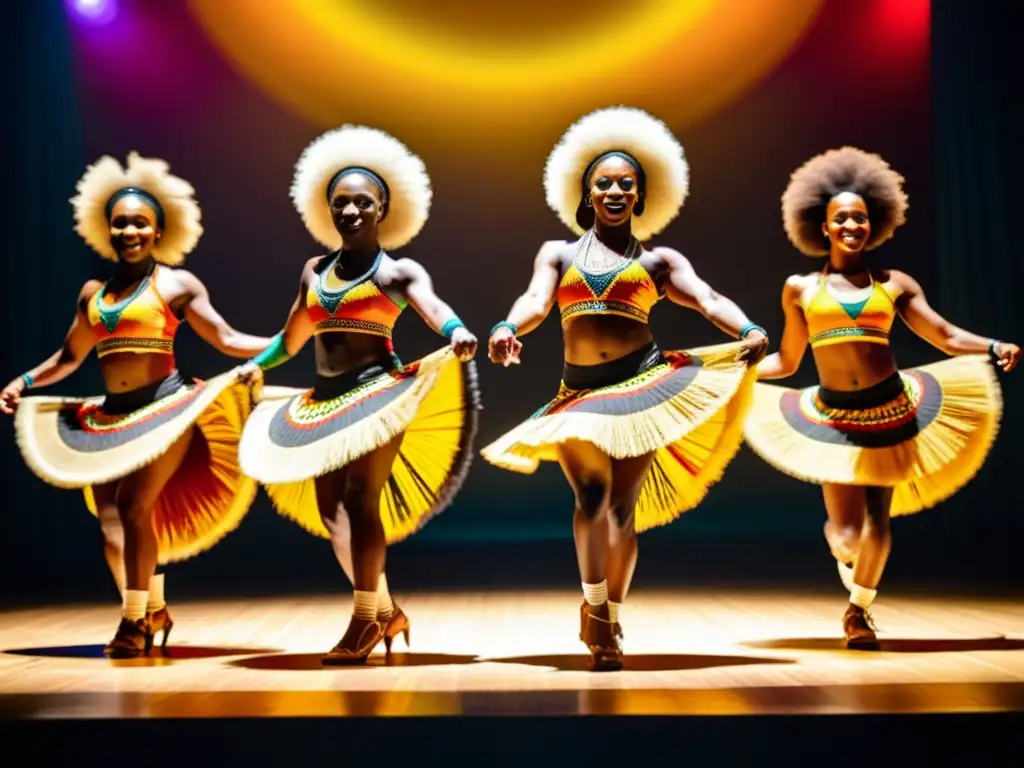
x: 686, y: 407
x: 924, y: 432
x: 295, y: 436
x: 81, y: 443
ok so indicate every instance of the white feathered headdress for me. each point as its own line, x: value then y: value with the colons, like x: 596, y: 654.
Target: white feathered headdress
x: 636, y: 133
x: 179, y: 210
x: 409, y: 192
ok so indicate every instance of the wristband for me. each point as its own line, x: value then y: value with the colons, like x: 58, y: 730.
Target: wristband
x: 992, y: 349
x: 746, y: 329
x: 504, y: 324
x: 274, y: 355
x: 29, y: 380
x: 451, y: 326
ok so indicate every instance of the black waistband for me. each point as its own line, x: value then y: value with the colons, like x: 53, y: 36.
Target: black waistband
x: 881, y: 393
x: 118, y: 403
x: 612, y: 372
x: 330, y: 387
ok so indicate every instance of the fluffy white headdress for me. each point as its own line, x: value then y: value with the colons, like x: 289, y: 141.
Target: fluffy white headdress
x: 105, y: 177
x: 636, y: 133
x: 409, y: 190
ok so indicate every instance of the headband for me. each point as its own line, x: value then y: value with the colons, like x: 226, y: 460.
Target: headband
x: 151, y: 201
x: 365, y: 172
x: 641, y: 176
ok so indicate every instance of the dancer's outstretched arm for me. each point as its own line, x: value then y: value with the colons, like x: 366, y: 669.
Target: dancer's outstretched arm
x: 419, y: 291
x: 78, y: 343
x: 210, y: 326
x: 530, y: 309
x: 786, y: 361
x: 686, y: 288
x: 298, y: 329
x: 919, y: 316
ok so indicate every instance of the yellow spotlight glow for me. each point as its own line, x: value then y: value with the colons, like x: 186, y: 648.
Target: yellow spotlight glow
x: 489, y: 74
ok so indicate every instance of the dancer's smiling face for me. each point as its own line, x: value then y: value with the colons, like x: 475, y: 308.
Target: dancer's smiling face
x: 847, y: 223
x: 614, y: 190
x: 133, y: 229
x: 357, y: 207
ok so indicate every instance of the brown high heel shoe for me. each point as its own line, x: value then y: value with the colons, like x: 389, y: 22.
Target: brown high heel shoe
x: 601, y: 637
x: 394, y: 625
x: 161, y: 621
x: 358, y: 642
x: 616, y: 626
x: 859, y: 629
x: 132, y: 639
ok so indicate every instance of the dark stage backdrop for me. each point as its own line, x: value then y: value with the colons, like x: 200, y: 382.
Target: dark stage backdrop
x: 922, y: 86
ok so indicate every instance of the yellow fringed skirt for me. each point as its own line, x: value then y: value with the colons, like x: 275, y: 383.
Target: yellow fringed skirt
x: 295, y: 436
x: 85, y: 442
x: 686, y: 407
x: 924, y: 432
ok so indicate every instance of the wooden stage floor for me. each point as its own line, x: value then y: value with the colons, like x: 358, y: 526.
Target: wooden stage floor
x: 707, y: 653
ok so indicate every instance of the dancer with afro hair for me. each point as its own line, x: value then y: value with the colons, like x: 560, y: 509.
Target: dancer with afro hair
x: 376, y: 448
x: 881, y: 441
x: 641, y: 433
x: 157, y: 456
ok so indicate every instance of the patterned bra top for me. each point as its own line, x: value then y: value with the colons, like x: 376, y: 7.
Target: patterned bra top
x: 837, y: 317
x: 355, y: 306
x: 625, y: 289
x: 142, y: 323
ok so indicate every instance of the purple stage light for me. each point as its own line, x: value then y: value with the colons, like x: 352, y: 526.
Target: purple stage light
x: 93, y: 11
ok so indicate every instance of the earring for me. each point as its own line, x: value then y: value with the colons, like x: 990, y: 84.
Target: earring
x: 587, y: 201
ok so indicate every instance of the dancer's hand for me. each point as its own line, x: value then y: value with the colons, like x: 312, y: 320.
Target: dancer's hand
x: 11, y: 396
x: 249, y: 373
x: 1007, y: 355
x: 503, y: 347
x: 463, y: 344
x: 754, y: 348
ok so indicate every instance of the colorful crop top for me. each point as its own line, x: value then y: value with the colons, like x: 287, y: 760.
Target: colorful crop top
x: 142, y: 322
x: 836, y: 317
x: 626, y: 289
x: 356, y: 306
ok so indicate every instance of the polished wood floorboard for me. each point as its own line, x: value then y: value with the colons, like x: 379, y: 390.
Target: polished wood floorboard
x: 518, y: 653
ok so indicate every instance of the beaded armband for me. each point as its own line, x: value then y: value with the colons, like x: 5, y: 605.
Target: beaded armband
x: 274, y: 355
x: 451, y: 326
x: 504, y: 324
x: 746, y: 329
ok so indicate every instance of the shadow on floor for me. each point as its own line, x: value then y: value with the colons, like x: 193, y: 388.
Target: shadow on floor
x: 893, y: 645
x: 155, y: 658
x: 298, y: 662
x: 642, y: 662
